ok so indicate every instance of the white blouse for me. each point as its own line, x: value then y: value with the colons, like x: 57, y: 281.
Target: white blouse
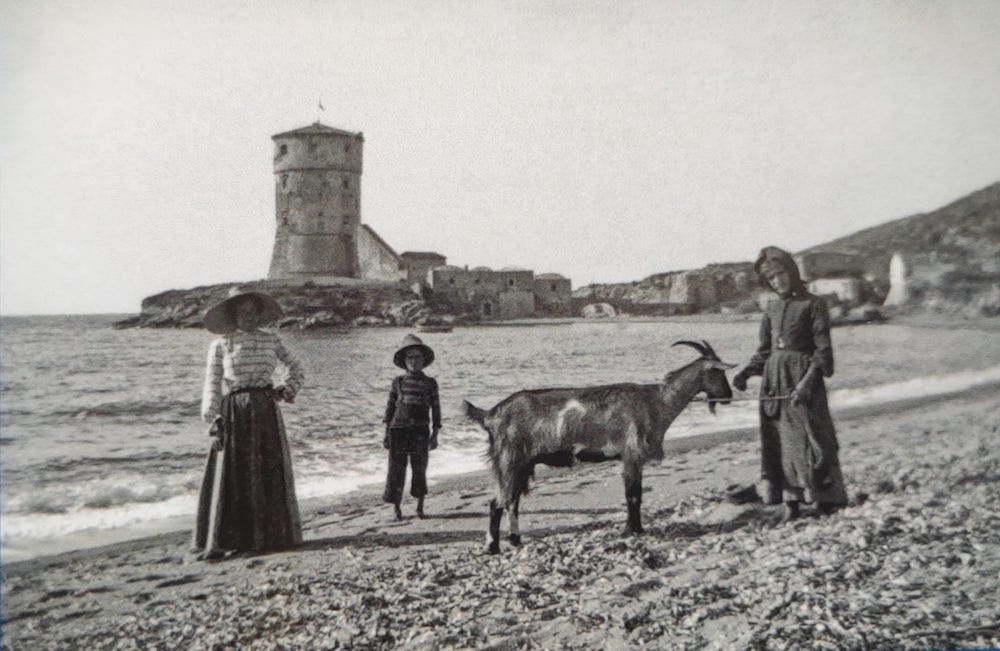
x: 245, y: 360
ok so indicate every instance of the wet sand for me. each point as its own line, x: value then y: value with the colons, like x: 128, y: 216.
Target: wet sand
x: 912, y: 563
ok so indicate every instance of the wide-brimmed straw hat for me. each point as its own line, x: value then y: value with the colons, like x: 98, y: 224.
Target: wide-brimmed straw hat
x: 412, y: 341
x: 220, y: 318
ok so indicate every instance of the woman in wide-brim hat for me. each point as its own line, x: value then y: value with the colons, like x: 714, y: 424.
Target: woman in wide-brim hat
x: 799, y: 450
x: 220, y: 318
x: 247, y: 500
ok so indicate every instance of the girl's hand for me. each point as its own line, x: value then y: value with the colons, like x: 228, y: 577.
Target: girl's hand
x: 433, y: 442
x: 286, y: 394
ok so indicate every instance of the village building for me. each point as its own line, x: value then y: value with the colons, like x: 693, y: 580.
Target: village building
x: 553, y: 294
x: 418, y: 265
x: 508, y: 293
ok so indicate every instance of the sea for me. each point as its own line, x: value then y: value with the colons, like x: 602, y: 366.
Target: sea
x: 101, y: 440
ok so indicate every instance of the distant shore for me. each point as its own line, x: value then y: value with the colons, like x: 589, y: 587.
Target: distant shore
x: 909, y: 565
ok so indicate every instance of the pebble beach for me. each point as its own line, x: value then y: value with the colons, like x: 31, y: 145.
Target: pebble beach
x: 912, y: 563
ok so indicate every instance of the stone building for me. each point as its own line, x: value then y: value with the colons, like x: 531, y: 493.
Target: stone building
x: 418, y: 264
x: 376, y: 259
x: 508, y: 293
x: 318, y: 230
x: 553, y: 293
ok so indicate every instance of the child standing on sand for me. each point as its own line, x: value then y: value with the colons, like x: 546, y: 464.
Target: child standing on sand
x: 412, y: 420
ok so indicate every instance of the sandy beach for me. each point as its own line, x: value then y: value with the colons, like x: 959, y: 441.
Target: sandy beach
x: 911, y: 564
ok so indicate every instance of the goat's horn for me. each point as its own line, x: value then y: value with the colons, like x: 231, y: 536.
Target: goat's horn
x: 694, y: 344
x: 711, y: 351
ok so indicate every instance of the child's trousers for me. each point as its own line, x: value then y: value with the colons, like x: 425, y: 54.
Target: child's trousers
x: 406, y: 443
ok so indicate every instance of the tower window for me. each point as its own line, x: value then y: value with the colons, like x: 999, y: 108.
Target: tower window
x: 553, y: 287
x: 347, y: 148
x: 313, y: 146
x: 283, y: 150
x: 347, y: 183
x: 284, y: 181
x: 510, y: 282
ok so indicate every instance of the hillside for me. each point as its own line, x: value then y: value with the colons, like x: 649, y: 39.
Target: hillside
x: 952, y: 253
x: 965, y: 233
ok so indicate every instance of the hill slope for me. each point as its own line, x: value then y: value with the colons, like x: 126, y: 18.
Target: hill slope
x: 965, y: 233
x: 953, y: 253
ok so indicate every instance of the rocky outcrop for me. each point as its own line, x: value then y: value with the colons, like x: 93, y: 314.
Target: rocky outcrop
x: 306, y: 305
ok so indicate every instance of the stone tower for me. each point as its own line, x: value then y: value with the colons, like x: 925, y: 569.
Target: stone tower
x: 317, y: 192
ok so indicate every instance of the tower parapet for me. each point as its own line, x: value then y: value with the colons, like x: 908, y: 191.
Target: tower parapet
x: 317, y: 190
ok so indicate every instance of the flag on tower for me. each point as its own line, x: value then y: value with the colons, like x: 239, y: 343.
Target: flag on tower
x: 321, y: 105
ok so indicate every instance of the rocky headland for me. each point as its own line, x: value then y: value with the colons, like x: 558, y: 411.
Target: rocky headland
x: 348, y: 303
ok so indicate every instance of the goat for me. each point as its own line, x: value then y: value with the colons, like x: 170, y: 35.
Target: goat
x: 617, y: 421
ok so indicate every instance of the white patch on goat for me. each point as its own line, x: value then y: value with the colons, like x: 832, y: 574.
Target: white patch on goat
x: 572, y: 405
x: 632, y: 437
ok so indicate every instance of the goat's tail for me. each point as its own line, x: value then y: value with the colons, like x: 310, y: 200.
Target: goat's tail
x: 474, y: 412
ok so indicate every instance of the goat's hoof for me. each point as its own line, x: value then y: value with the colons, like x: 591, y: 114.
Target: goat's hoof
x: 634, y: 531
x: 515, y: 539
x: 494, y: 549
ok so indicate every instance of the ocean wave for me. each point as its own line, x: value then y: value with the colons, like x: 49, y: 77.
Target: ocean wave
x: 143, y: 408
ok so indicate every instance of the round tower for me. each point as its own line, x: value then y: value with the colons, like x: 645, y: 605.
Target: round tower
x: 317, y: 196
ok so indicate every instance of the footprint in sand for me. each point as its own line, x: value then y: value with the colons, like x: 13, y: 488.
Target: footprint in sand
x: 148, y: 577
x: 181, y: 580
x: 55, y: 594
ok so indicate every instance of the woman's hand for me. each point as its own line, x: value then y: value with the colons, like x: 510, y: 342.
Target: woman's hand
x: 385, y: 439
x: 433, y: 442
x: 740, y: 381
x: 217, y: 432
x: 285, y: 393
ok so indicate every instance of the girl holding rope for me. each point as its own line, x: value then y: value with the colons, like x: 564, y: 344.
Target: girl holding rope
x: 799, y: 451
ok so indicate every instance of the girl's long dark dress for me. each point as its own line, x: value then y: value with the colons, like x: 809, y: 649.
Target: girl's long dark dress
x: 799, y: 450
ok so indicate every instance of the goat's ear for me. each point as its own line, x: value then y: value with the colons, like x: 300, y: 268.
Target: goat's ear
x: 722, y: 366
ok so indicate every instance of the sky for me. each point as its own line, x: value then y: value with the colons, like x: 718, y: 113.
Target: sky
x: 606, y: 141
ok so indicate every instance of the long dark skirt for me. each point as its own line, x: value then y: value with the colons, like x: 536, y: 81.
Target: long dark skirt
x: 247, y: 500
x: 799, y: 449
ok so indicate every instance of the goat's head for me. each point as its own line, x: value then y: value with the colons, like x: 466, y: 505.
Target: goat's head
x: 713, y: 373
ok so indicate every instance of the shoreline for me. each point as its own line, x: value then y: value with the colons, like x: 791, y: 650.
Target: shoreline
x: 175, y: 527
x: 883, y: 573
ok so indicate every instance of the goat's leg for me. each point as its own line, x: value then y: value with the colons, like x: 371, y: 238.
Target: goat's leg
x: 515, y: 529
x: 496, y: 512
x: 632, y: 473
